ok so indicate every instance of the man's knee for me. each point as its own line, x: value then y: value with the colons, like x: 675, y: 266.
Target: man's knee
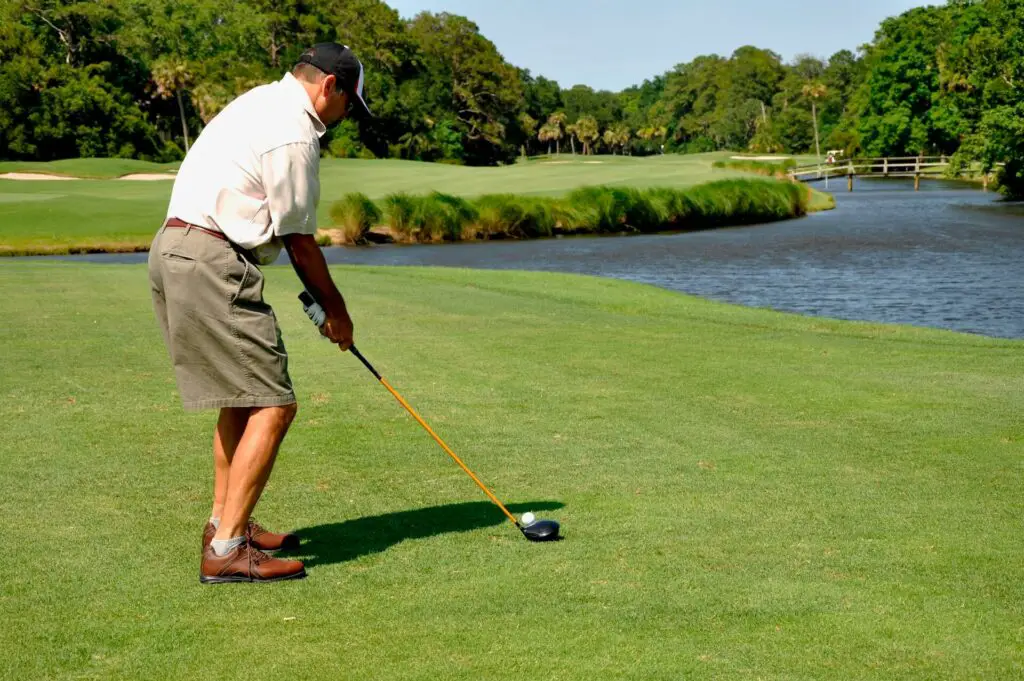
x: 281, y: 416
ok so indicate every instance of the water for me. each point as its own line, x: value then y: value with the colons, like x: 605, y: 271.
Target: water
x: 949, y: 256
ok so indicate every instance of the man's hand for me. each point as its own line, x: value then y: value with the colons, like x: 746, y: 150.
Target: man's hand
x: 339, y: 330
x: 309, y: 264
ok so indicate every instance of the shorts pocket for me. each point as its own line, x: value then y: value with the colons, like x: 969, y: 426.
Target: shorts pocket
x: 177, y: 262
x: 249, y: 291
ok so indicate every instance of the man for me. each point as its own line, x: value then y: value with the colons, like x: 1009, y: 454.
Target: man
x: 248, y: 187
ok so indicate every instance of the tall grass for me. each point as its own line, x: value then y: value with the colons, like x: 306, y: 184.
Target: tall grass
x: 588, y: 210
x: 355, y: 214
x: 776, y: 169
x: 508, y: 216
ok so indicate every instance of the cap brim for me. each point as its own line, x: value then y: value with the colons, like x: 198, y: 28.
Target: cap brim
x: 359, y: 109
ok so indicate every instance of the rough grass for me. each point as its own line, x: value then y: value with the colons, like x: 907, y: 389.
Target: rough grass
x: 60, y: 217
x: 353, y: 216
x: 591, y: 210
x: 776, y: 169
x: 744, y: 494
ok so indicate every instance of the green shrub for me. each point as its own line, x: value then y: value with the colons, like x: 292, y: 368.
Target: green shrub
x: 502, y: 216
x: 355, y: 214
x: 777, y: 169
x: 443, y: 217
x: 401, y: 211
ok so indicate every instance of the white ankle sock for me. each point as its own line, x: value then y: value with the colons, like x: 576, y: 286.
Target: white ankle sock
x: 215, y: 522
x: 223, y: 547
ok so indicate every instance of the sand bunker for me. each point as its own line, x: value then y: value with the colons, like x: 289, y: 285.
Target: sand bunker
x: 34, y: 176
x: 147, y: 177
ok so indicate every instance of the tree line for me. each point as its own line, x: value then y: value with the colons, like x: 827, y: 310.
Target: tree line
x: 139, y: 78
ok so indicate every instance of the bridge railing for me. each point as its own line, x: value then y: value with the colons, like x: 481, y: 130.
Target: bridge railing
x: 885, y: 166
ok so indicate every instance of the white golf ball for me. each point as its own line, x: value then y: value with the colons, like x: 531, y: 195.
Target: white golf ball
x: 528, y: 519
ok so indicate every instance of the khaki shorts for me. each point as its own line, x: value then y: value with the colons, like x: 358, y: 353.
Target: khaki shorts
x: 223, y: 338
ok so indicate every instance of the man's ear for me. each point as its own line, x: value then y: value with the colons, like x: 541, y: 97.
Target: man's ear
x: 330, y: 85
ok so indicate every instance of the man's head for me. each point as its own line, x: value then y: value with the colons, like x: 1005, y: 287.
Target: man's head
x: 333, y: 78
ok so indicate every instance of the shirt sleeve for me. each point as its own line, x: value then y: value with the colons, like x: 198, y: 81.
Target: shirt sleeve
x: 291, y: 179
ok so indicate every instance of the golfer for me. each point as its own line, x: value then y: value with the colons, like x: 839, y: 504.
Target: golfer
x: 248, y: 187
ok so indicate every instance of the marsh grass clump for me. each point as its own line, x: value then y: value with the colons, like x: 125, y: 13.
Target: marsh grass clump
x: 354, y: 215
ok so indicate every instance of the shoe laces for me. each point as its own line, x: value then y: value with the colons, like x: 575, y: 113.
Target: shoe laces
x: 256, y: 556
x: 255, y: 529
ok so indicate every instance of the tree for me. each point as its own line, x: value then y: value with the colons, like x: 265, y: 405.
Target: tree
x: 549, y: 133
x: 481, y: 90
x: 556, y: 121
x: 814, y: 92
x: 588, y: 132
x: 528, y: 124
x: 572, y: 131
x: 622, y: 136
x: 173, y: 76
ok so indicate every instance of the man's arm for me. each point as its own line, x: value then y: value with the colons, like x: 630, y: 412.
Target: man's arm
x: 308, y: 261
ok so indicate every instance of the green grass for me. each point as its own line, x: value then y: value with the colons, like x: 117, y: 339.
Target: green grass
x: 61, y: 217
x: 89, y: 168
x: 744, y: 494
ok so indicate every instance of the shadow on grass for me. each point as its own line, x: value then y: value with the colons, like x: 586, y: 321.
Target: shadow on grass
x: 340, y: 542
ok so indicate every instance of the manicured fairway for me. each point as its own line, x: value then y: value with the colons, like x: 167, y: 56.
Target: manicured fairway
x: 47, y: 216
x: 744, y: 494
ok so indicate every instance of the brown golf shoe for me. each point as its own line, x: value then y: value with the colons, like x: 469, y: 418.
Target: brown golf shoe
x: 247, y: 564
x: 268, y: 542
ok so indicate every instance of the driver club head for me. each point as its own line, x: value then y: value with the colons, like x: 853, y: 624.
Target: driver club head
x: 541, y: 530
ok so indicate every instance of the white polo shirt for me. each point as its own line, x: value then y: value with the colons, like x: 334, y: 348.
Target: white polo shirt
x: 254, y: 172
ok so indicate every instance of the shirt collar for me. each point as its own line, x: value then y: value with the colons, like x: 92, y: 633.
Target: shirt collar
x: 293, y: 86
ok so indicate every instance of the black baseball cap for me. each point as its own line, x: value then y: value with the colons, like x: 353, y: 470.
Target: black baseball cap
x: 339, y: 61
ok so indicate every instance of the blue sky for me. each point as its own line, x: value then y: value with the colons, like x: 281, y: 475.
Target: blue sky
x: 612, y: 44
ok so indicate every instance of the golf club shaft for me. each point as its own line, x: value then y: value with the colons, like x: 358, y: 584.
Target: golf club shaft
x: 434, y: 435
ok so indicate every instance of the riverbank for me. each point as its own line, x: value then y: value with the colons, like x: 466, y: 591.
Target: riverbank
x: 826, y: 485
x: 89, y: 216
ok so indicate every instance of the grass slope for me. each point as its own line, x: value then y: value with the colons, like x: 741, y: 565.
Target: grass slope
x: 52, y: 217
x: 745, y: 494
x: 88, y: 168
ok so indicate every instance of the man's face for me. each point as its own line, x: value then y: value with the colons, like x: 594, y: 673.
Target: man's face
x: 332, y: 103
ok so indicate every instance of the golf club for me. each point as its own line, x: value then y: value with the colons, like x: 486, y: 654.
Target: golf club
x: 538, y: 530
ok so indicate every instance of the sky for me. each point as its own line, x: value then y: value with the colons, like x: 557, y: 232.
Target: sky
x: 613, y: 44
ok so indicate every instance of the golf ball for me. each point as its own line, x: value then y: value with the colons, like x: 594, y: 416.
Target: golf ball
x: 528, y: 519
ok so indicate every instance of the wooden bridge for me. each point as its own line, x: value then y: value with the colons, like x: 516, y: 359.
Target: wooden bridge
x: 906, y: 166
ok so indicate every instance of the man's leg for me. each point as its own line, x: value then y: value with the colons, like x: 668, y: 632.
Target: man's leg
x: 230, y: 428
x: 251, y: 465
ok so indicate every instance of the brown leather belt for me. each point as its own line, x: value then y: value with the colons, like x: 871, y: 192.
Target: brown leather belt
x: 175, y: 223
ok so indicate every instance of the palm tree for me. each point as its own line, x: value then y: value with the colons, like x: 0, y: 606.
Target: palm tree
x: 549, y: 133
x: 622, y: 136
x: 815, y: 91
x: 610, y: 140
x: 588, y: 132
x: 557, y: 119
x: 529, y: 126
x: 172, y: 76
x: 573, y: 131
